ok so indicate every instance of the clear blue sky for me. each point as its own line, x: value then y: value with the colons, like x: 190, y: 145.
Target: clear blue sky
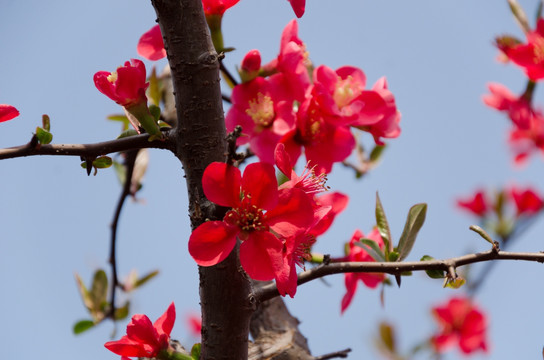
x: 437, y: 56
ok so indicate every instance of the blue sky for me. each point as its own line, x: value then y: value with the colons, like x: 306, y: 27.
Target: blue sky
x: 437, y: 56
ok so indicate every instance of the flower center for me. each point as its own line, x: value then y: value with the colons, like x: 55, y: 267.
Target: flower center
x: 538, y: 50
x: 346, y: 90
x: 247, y: 216
x: 112, y: 77
x: 261, y: 110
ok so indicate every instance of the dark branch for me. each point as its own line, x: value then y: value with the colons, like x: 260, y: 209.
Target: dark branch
x: 85, y: 150
x: 129, y: 165
x: 269, y: 291
x: 337, y: 354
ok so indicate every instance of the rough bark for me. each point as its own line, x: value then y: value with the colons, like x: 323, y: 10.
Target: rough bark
x: 200, y: 138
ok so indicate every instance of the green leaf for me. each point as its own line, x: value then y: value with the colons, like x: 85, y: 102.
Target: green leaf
x: 383, y: 226
x: 122, y: 312
x: 146, y: 278
x: 46, y: 122
x: 44, y: 136
x: 372, y: 248
x: 154, y: 89
x: 387, y: 337
x: 85, y: 294
x: 482, y: 233
x: 82, y: 326
x: 414, y: 222
x: 127, y: 133
x: 99, y: 290
x: 102, y: 162
x: 393, y: 256
x: 433, y: 274
x: 195, y: 351
x: 376, y: 153
x: 121, y: 118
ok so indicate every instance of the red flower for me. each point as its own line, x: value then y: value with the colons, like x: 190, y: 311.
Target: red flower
x: 262, y: 217
x: 528, y: 201
x: 126, y: 86
x: 195, y: 324
x: 7, y: 112
x: 357, y: 253
x: 217, y: 7
x: 461, y: 323
x: 518, y: 108
x: 298, y: 7
x: 151, y: 44
x: 525, y: 141
x: 477, y: 204
x: 144, y: 339
x: 529, y: 55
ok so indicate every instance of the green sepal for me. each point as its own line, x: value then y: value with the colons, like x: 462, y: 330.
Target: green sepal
x: 372, y: 248
x: 82, y: 326
x: 383, y: 225
x: 155, y: 111
x: 414, y: 222
x: 433, y: 274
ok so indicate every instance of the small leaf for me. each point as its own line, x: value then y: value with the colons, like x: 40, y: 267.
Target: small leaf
x: 433, y: 274
x: 99, y: 290
x: 146, y: 278
x: 102, y: 162
x: 46, y: 122
x: 127, y: 133
x: 195, y: 351
x: 372, y: 248
x: 414, y: 222
x: 383, y: 226
x: 155, y: 111
x: 154, y: 89
x: 482, y: 233
x: 387, y: 337
x: 376, y: 153
x: 82, y: 326
x: 121, y: 118
x: 455, y: 283
x: 120, y: 171
x: 85, y: 294
x: 44, y: 136
x: 122, y: 312
x: 393, y: 256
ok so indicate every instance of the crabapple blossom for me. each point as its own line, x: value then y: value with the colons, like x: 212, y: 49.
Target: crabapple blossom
x: 151, y: 44
x: 527, y: 201
x: 476, y: 204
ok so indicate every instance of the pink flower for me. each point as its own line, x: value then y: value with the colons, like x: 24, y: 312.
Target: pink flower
x: 476, y: 204
x: 527, y: 201
x: 461, y: 323
x: 151, y: 44
x: 217, y: 7
x: 195, y: 324
x: 263, y: 111
x: 7, y: 112
x: 518, y: 108
x: 126, y: 86
x: 144, y: 339
x: 298, y: 7
x: 262, y: 217
x: 526, y: 141
x: 529, y: 55
x: 357, y: 253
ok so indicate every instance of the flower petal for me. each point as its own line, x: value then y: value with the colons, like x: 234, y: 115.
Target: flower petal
x: 293, y: 214
x: 259, y: 181
x: 126, y: 347
x: 165, y: 323
x: 261, y: 255
x: 221, y: 183
x: 212, y: 242
x: 7, y: 112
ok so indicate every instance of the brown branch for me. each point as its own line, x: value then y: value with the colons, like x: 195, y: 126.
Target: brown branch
x: 85, y: 150
x: 269, y: 291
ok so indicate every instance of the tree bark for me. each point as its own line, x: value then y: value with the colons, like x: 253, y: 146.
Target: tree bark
x: 200, y: 139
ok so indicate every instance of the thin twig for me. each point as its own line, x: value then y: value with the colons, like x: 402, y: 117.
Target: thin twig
x: 337, y: 354
x: 86, y: 150
x: 130, y: 159
x: 269, y: 291
x: 227, y: 73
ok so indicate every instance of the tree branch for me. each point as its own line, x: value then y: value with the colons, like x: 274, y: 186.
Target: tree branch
x: 86, y: 150
x: 269, y: 291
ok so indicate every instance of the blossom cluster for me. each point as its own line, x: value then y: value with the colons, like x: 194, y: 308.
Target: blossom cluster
x: 285, y: 101
x: 527, y: 133
x: 277, y: 225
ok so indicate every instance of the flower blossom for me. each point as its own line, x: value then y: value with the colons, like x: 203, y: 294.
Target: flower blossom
x: 194, y: 322
x: 7, y: 112
x: 217, y: 7
x: 527, y: 201
x: 298, y: 7
x: 356, y: 253
x: 476, y: 204
x: 151, y: 44
x: 263, y: 217
x: 144, y: 339
x: 518, y: 108
x: 461, y: 323
x: 529, y: 55
x: 126, y: 86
